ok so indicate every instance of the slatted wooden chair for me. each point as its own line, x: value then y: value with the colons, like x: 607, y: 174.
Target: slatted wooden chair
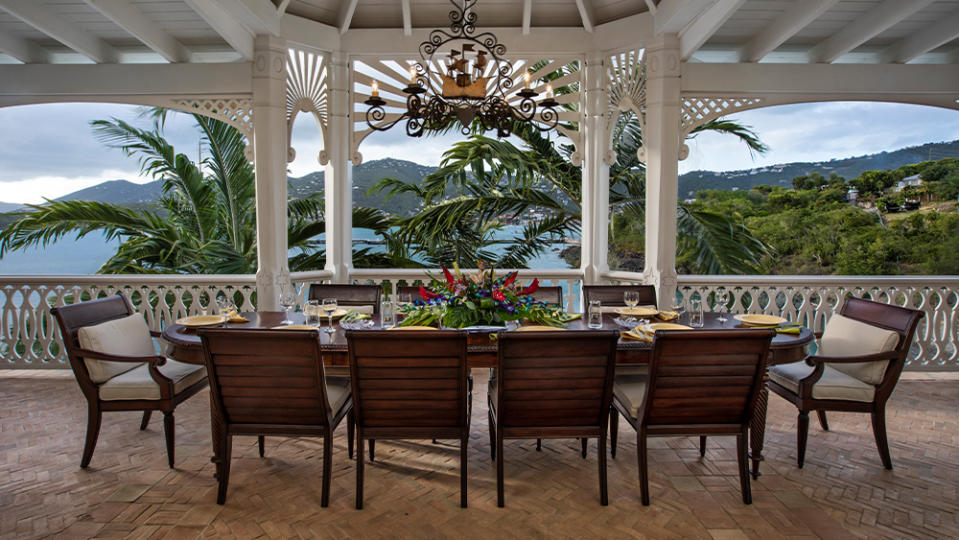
x: 272, y: 382
x: 700, y: 382
x: 114, y: 359
x: 409, y: 385
x: 862, y: 353
x: 359, y: 297
x: 549, y: 294
x: 551, y: 385
x: 612, y: 295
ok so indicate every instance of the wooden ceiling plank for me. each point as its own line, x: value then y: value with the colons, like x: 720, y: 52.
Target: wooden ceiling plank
x: 527, y: 15
x: 407, y: 18
x: 703, y: 28
x: 922, y: 41
x: 127, y: 16
x: 225, y: 25
x: 863, y: 28
x: 672, y: 16
x: 47, y: 21
x: 783, y: 27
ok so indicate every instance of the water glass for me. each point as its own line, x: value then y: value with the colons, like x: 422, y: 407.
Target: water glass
x: 329, y: 306
x: 287, y: 302
x: 387, y: 315
x: 723, y: 298
x: 696, y: 314
x: 312, y: 312
x: 594, y: 314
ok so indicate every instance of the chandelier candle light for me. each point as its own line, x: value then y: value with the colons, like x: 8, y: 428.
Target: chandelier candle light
x: 475, y: 85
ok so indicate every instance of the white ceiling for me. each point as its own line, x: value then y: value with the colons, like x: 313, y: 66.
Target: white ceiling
x: 819, y: 31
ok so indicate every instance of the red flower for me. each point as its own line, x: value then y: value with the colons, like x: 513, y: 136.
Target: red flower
x: 533, y: 287
x: 449, y: 276
x: 426, y: 293
x: 510, y: 278
x: 498, y: 295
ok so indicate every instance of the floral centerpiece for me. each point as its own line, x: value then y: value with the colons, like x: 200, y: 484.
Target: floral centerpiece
x: 459, y: 301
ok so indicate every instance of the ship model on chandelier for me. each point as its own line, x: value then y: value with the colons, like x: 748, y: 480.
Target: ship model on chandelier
x: 473, y: 85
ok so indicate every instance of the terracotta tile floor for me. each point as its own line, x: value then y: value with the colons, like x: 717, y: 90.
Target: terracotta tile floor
x: 412, y: 488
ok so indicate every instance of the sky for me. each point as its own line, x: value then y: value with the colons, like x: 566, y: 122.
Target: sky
x: 50, y: 150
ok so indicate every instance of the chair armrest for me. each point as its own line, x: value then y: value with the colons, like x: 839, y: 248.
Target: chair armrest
x: 818, y: 335
x: 889, y: 355
x: 152, y: 359
x: 156, y: 334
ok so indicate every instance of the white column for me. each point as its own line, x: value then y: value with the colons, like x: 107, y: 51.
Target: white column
x: 269, y: 154
x: 339, y: 173
x: 661, y: 139
x: 595, y: 243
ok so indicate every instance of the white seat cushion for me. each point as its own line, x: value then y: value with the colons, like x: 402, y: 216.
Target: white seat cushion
x: 128, y: 336
x: 833, y: 384
x: 337, y: 391
x: 138, y: 384
x: 848, y: 337
x: 366, y: 309
x: 630, y: 390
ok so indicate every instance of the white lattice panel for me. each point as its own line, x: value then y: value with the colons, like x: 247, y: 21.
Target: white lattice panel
x: 697, y: 110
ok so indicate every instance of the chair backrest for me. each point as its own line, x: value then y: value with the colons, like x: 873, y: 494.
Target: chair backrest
x: 71, y: 318
x: 555, y: 379
x: 550, y: 295
x: 348, y: 295
x: 413, y: 291
x: 705, y: 377
x: 901, y: 320
x: 266, y: 377
x: 409, y: 380
x: 612, y: 295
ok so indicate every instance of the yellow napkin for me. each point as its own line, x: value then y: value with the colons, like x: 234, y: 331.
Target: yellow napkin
x: 794, y: 330
x: 636, y: 335
x: 667, y: 315
x: 238, y: 319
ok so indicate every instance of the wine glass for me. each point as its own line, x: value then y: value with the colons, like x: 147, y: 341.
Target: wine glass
x: 631, y: 299
x: 723, y: 298
x: 329, y: 306
x: 287, y: 302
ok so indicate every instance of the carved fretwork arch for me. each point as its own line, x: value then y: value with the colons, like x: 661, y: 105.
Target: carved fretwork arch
x: 307, y: 90
x: 626, y: 76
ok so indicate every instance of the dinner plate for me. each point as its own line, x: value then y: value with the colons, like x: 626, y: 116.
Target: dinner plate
x: 537, y: 328
x: 413, y: 328
x: 759, y: 320
x: 201, y: 320
x: 294, y: 327
x: 637, y: 311
x: 652, y: 327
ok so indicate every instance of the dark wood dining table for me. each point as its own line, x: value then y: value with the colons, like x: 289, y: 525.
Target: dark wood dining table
x: 185, y: 346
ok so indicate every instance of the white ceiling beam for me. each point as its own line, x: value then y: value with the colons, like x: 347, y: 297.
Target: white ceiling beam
x: 527, y: 15
x: 586, y: 14
x: 311, y: 33
x: 703, y: 28
x: 225, y: 25
x: 281, y: 9
x: 21, y: 49
x: 796, y: 17
x: 863, y: 29
x: 127, y: 16
x: 407, y: 18
x: 47, y: 21
x: 672, y: 16
x: 258, y: 16
x: 651, y: 6
x: 630, y: 32
x: 922, y: 41
x: 345, y: 16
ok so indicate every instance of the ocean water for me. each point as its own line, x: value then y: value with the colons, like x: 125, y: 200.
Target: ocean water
x: 86, y: 255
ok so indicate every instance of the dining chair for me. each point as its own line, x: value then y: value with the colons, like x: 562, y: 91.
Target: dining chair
x: 114, y: 359
x: 612, y: 295
x: 409, y: 385
x: 700, y: 382
x: 549, y: 294
x: 271, y: 382
x: 861, y: 355
x: 551, y: 384
x: 348, y: 296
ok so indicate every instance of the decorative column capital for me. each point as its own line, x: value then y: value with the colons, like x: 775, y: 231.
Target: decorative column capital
x: 663, y: 58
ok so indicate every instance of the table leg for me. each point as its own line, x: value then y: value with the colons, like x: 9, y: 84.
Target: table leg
x: 757, y: 428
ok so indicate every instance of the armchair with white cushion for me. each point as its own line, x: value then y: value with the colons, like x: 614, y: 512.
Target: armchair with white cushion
x: 115, y: 362
x: 861, y: 355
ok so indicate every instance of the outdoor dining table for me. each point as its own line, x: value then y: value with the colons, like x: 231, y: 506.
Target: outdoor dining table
x: 185, y: 346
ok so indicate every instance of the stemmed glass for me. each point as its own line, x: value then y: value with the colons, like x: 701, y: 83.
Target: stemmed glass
x: 678, y: 307
x: 723, y: 298
x: 329, y: 306
x: 287, y: 301
x: 631, y: 299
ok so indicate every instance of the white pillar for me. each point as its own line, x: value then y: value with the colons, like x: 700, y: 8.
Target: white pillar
x: 269, y: 152
x: 661, y: 139
x: 595, y: 242
x: 339, y: 173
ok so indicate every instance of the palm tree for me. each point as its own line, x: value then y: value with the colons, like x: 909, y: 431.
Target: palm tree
x: 497, y: 179
x: 206, y: 221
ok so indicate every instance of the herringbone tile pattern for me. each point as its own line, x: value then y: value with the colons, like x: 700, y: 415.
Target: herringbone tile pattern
x: 412, y: 488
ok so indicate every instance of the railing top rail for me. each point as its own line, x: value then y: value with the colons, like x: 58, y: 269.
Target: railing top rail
x: 822, y: 280
x: 422, y: 272
x: 126, y: 279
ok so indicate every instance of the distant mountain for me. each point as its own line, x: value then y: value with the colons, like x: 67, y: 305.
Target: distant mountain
x: 783, y: 174
x: 9, y: 207
x: 118, y: 192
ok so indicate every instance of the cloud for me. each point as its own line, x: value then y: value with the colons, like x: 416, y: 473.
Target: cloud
x: 35, y: 190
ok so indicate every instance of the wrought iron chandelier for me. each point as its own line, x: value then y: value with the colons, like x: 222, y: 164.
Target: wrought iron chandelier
x: 474, y: 87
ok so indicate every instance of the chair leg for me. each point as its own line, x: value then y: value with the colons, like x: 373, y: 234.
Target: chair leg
x: 539, y: 445
x: 641, y: 459
x: 822, y: 420
x: 492, y: 437
x: 603, y: 491
x: 223, y: 468
x: 261, y: 442
x: 350, y: 432
x: 585, y: 443
x: 464, y: 444
x: 359, y: 469
x: 743, y: 467
x: 702, y: 446
x: 168, y: 431
x: 802, y: 432
x: 613, y: 430
x: 500, y: 495
x: 879, y: 430
x: 93, y: 432
x: 327, y: 467
x: 146, y: 420
x: 372, y: 444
